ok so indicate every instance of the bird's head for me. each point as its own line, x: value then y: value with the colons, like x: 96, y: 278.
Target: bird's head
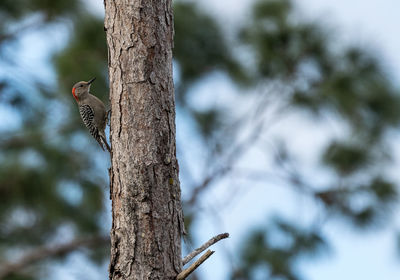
x: 82, y: 88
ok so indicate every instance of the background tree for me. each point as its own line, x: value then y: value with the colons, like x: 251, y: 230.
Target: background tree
x: 286, y: 70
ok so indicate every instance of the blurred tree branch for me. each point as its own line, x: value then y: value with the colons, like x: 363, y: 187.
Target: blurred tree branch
x: 22, y: 29
x: 44, y: 252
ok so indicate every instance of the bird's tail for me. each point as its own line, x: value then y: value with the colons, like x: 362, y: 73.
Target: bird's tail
x: 104, y: 140
x: 100, y: 142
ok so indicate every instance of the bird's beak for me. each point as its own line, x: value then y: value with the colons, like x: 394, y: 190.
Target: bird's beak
x: 91, y: 80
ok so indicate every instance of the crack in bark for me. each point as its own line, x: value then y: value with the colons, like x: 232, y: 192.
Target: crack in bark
x: 120, y: 95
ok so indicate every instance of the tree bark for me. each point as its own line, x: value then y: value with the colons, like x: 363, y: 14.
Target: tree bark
x: 144, y: 184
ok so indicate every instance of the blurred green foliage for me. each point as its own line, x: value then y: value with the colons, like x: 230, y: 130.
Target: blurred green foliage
x: 271, y: 252
x: 50, y: 176
x: 11, y: 10
x: 51, y: 190
x: 200, y: 51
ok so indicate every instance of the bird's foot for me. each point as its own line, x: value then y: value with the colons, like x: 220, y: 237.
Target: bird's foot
x: 108, y: 116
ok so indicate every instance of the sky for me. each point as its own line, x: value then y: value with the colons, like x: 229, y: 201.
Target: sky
x: 370, y: 23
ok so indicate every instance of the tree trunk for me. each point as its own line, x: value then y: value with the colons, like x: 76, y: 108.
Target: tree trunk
x: 144, y: 184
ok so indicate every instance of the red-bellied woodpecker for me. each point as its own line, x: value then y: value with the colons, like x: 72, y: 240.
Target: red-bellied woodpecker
x: 92, y: 111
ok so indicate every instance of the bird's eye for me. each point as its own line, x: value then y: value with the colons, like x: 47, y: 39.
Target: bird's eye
x: 81, y: 85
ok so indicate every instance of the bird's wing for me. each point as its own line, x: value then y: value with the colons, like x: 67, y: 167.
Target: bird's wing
x: 87, y: 116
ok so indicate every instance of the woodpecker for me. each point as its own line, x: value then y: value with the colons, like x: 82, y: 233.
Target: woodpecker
x: 92, y: 111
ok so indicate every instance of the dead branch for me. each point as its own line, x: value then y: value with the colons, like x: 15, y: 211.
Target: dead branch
x: 203, y: 247
x: 185, y: 273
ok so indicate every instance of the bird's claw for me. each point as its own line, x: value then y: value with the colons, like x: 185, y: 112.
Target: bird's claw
x: 108, y: 117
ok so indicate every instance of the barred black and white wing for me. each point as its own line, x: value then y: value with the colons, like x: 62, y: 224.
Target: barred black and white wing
x: 87, y: 116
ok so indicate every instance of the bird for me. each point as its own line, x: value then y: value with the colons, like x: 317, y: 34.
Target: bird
x: 93, y: 112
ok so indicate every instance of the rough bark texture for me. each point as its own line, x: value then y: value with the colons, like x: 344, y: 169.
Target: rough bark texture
x: 144, y: 185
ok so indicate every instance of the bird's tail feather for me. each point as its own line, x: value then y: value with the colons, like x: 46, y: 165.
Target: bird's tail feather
x: 104, y: 140
x: 100, y: 143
